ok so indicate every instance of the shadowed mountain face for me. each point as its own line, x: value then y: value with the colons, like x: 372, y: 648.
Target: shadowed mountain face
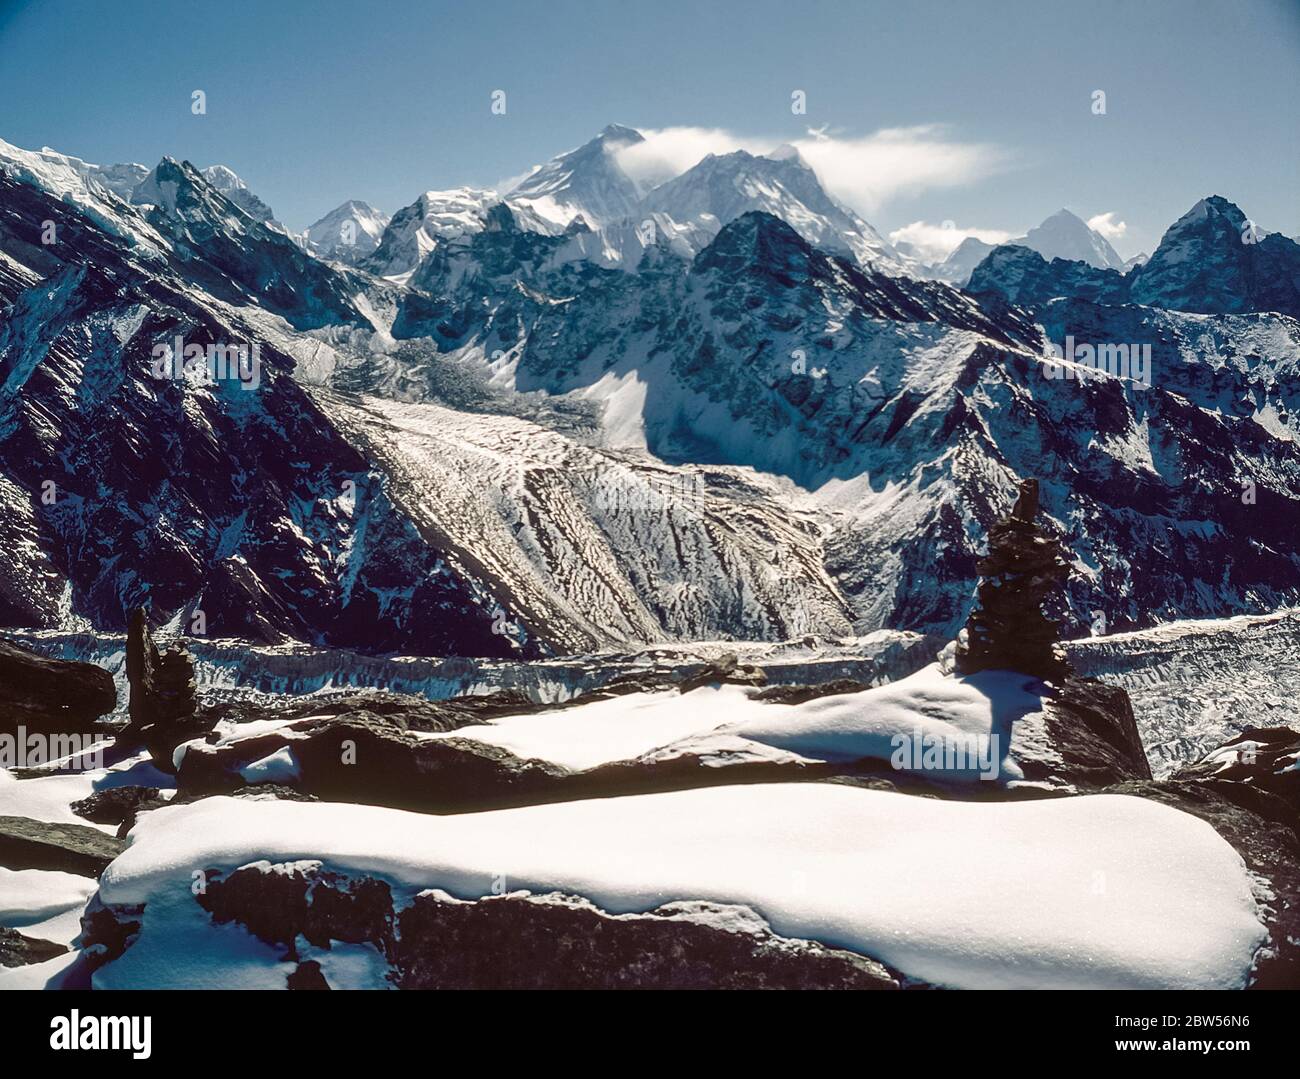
x: 221, y: 245
x: 1025, y: 278
x: 1214, y: 260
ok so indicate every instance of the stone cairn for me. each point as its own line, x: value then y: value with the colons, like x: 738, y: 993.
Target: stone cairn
x: 163, y: 698
x: 1008, y: 630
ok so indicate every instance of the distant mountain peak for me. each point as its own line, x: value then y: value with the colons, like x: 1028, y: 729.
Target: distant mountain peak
x: 620, y: 133
x: 1211, y: 261
x: 357, y: 204
x: 348, y: 233
x: 587, y: 180
x: 1065, y: 215
x: 435, y: 216
x: 232, y: 185
x: 1209, y: 207
x: 786, y: 152
x: 1065, y: 235
x: 222, y: 176
x: 962, y: 260
x: 723, y: 187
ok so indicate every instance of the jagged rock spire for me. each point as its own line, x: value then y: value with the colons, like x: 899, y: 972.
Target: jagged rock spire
x: 1008, y: 629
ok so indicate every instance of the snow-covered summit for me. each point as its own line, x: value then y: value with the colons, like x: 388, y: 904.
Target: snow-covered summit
x: 610, y: 218
x: 1066, y: 236
x: 230, y: 184
x: 587, y: 181
x: 723, y: 187
x: 958, y: 266
x: 348, y: 233
x: 786, y: 152
x: 416, y: 229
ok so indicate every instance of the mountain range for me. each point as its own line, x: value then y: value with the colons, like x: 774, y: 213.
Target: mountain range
x: 585, y: 415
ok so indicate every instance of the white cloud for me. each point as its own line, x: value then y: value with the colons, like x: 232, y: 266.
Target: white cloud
x: 934, y: 243
x: 502, y: 187
x: 1107, y: 226
x: 669, y: 152
x: 863, y: 172
x: 869, y: 171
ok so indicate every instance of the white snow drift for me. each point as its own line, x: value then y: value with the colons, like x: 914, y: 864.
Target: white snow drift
x: 1100, y: 891
x: 725, y: 723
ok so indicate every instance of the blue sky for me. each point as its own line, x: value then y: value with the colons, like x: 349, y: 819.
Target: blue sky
x: 985, y: 109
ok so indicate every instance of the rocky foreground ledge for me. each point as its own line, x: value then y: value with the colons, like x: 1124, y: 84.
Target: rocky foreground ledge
x: 318, y: 872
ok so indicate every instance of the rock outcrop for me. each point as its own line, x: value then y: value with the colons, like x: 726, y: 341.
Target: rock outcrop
x: 18, y: 950
x: 1263, y: 759
x: 566, y: 942
x: 51, y: 695
x: 69, y: 848
x: 364, y: 757
x: 512, y: 941
x: 1094, y: 733
x: 118, y: 805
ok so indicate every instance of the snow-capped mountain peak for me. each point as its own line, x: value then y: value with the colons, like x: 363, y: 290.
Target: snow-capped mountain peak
x: 786, y: 152
x: 586, y: 195
x: 722, y: 187
x: 957, y: 267
x: 229, y: 183
x: 587, y: 181
x: 415, y: 230
x: 224, y: 178
x: 163, y: 185
x: 614, y: 135
x: 348, y: 233
x: 1215, y: 259
x: 1067, y: 236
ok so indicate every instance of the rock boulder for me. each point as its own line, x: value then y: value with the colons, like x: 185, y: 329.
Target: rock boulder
x: 51, y: 695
